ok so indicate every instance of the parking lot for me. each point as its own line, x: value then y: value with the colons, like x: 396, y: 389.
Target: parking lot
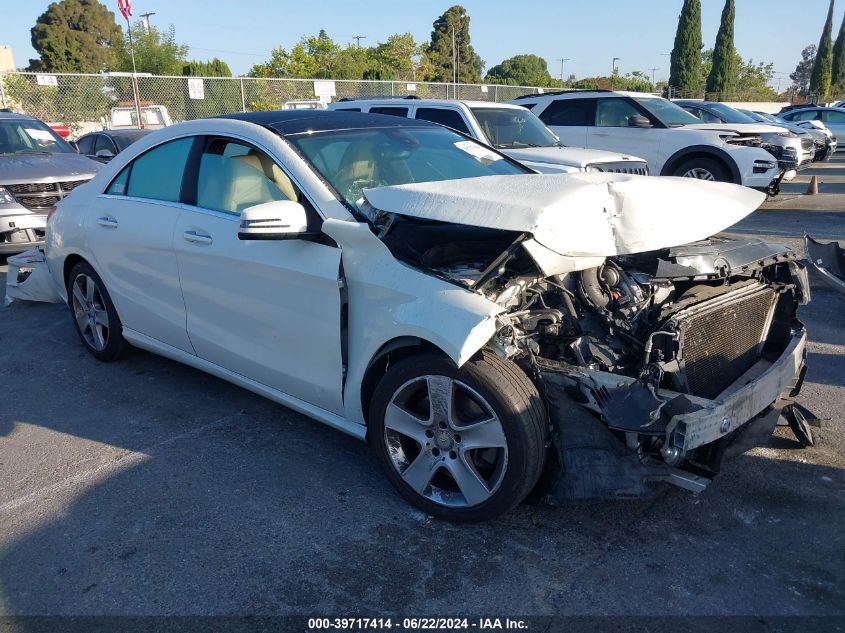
x: 145, y: 487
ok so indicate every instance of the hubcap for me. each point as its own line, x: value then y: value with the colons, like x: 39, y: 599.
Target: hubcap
x: 89, y: 310
x: 700, y: 173
x: 445, y: 441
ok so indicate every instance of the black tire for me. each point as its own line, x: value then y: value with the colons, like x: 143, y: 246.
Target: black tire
x: 715, y: 168
x: 506, y: 392
x: 115, y: 345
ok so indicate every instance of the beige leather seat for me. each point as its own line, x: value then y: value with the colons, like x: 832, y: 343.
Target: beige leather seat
x: 272, y: 171
x: 358, y: 165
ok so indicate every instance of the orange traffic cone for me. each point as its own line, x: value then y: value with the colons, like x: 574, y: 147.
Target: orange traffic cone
x: 813, y: 189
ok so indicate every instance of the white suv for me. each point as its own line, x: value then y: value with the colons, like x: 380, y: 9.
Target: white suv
x: 509, y: 128
x: 658, y: 130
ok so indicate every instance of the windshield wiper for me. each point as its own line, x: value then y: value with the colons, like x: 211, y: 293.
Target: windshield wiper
x: 32, y: 151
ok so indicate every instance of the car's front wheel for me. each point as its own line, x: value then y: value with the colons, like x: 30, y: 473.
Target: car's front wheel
x: 461, y: 444
x: 703, y: 169
x: 94, y: 314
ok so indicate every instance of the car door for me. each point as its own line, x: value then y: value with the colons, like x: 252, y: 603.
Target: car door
x: 612, y: 131
x: 130, y: 234
x: 835, y: 121
x: 570, y: 119
x: 267, y: 310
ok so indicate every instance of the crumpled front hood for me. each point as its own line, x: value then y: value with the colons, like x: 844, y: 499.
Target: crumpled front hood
x: 22, y: 168
x: 579, y: 215
x: 574, y: 156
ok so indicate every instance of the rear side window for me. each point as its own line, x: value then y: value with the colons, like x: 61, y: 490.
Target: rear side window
x: 347, y: 109
x: 809, y: 115
x: 403, y: 112
x: 569, y: 112
x: 157, y: 174
x: 449, y: 118
x: 85, y: 144
x: 833, y: 117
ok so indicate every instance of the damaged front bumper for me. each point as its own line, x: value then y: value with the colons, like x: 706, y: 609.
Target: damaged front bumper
x: 29, y: 279
x: 21, y: 231
x: 597, y: 460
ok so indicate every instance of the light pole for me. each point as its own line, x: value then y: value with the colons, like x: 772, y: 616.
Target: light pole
x: 613, y: 72
x: 653, y: 70
x: 146, y: 18
x: 562, y: 61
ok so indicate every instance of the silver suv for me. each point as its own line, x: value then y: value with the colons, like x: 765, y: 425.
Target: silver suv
x: 37, y: 169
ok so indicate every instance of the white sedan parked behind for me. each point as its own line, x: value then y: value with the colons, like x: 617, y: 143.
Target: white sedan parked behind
x: 485, y: 327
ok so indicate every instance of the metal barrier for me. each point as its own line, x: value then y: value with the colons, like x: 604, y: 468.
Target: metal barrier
x: 84, y: 102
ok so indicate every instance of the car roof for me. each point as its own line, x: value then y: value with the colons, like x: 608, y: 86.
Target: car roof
x: 18, y: 116
x: 288, y: 122
x: 396, y: 103
x: 585, y: 93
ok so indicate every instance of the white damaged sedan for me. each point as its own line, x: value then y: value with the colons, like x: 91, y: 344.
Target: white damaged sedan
x: 493, y: 333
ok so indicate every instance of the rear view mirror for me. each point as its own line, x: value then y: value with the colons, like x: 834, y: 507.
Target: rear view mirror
x: 277, y: 220
x: 638, y: 120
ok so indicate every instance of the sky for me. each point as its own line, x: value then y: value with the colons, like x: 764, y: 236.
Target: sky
x: 591, y: 34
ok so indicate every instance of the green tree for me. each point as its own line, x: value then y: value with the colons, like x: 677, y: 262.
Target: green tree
x: 156, y: 51
x: 721, y: 80
x: 397, y: 55
x: 823, y: 67
x: 837, y: 77
x: 752, y: 78
x: 454, y: 23
x: 804, y: 70
x: 685, y: 72
x: 75, y: 36
x: 521, y: 70
x: 213, y: 68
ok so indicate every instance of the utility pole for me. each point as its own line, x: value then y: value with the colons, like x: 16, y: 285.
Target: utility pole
x: 653, y: 70
x: 358, y: 39
x: 562, y: 61
x: 613, y: 72
x: 146, y: 18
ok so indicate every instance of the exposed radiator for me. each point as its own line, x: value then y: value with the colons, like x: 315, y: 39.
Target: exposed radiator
x: 720, y: 339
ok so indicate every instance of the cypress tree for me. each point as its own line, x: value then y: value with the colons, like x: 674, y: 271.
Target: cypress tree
x: 823, y: 68
x: 685, y: 71
x: 722, y: 79
x: 837, y: 80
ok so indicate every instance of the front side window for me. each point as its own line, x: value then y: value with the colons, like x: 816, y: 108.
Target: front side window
x: 157, y: 174
x: 701, y: 114
x: 569, y: 113
x: 807, y: 115
x: 512, y: 128
x: 441, y: 116
x: 833, y: 117
x: 103, y: 142
x: 403, y: 112
x: 233, y: 176
x: 614, y: 112
x: 354, y: 160
x: 668, y: 113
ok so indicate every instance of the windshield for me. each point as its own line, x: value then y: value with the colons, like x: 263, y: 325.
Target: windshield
x: 728, y: 114
x: 508, y: 128
x: 28, y: 136
x: 125, y: 140
x: 756, y: 117
x: 354, y: 160
x: 666, y: 112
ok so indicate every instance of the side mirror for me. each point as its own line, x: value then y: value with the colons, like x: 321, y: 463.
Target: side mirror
x: 638, y: 120
x: 277, y: 220
x: 104, y: 153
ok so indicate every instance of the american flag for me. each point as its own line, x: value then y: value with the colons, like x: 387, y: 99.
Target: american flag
x: 125, y: 7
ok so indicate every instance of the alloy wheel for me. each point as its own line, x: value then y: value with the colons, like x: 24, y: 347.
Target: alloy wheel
x: 445, y: 441
x: 700, y: 173
x: 90, y: 312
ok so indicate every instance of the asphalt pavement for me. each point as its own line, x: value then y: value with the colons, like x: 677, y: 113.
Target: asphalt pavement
x: 148, y: 488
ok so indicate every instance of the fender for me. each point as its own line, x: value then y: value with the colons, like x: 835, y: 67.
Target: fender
x: 388, y: 300
x: 708, y: 150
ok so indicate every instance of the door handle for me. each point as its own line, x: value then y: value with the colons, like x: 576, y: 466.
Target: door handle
x: 107, y: 221
x: 601, y: 134
x: 197, y: 238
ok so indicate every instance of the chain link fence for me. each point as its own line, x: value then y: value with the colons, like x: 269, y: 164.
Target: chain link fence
x: 84, y: 102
